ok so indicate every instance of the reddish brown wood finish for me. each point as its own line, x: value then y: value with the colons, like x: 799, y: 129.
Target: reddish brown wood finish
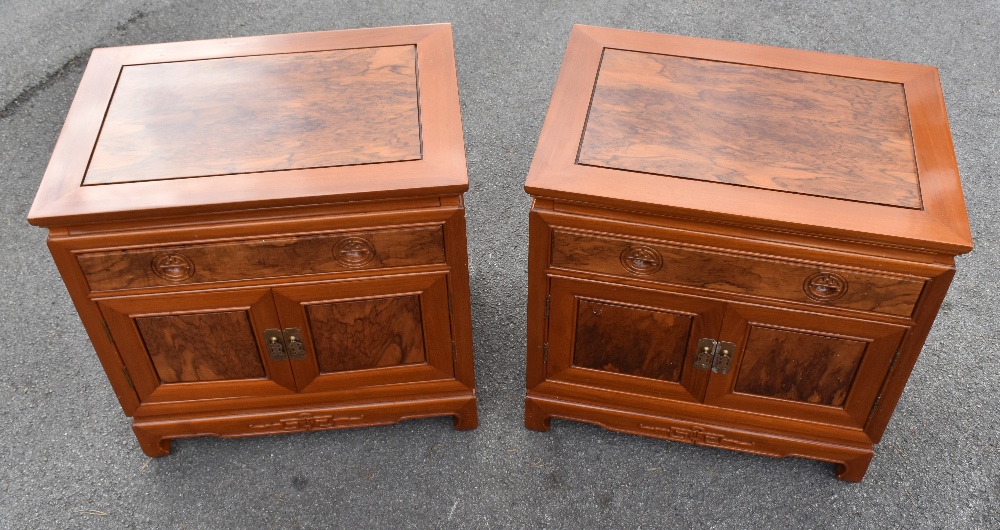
x: 365, y: 334
x: 440, y: 170
x: 738, y: 273
x: 940, y: 225
x: 331, y: 213
x: 631, y: 341
x: 235, y: 115
x: 802, y: 209
x: 201, y: 347
x: 265, y: 258
x: 799, y: 366
x: 753, y: 126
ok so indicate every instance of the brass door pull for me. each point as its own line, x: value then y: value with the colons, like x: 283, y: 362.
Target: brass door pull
x: 293, y: 340
x: 715, y: 355
x: 285, y: 345
x: 275, y: 344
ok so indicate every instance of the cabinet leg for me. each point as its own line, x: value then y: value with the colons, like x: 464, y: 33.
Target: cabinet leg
x: 854, y: 469
x: 151, y: 444
x: 467, y: 418
x: 535, y: 418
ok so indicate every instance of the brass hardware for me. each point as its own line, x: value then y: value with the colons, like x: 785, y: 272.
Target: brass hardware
x: 548, y: 303
x: 545, y: 353
x: 706, y: 351
x: 275, y: 344
x: 723, y: 357
x: 293, y: 340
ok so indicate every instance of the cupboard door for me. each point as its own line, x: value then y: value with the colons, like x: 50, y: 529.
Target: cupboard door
x: 801, y: 365
x: 628, y: 339
x: 369, y: 332
x: 183, y: 347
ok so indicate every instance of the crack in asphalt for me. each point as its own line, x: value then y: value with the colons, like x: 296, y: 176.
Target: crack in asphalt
x: 26, y: 95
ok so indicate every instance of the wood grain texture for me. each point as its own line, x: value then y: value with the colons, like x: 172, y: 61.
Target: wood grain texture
x: 275, y: 234
x: 752, y: 126
x: 736, y: 273
x: 62, y: 200
x: 265, y: 113
x: 367, y: 334
x: 262, y: 258
x: 631, y: 340
x: 202, y: 347
x: 798, y: 366
x: 938, y: 224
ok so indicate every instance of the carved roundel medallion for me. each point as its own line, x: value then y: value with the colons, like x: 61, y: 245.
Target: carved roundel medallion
x: 353, y: 252
x: 825, y: 286
x: 642, y: 260
x: 173, y: 266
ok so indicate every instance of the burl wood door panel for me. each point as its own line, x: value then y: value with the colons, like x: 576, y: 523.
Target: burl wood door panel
x: 629, y: 339
x: 369, y: 332
x: 198, y: 346
x: 799, y: 365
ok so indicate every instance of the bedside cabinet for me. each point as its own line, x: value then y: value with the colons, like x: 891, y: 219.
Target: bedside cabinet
x: 735, y: 245
x: 267, y: 234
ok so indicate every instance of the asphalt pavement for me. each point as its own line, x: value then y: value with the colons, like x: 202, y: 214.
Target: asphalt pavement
x: 68, y: 458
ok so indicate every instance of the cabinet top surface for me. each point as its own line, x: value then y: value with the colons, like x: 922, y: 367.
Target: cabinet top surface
x: 776, y: 138
x: 167, y: 129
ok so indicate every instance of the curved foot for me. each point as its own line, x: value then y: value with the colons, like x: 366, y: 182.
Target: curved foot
x: 854, y: 469
x: 467, y: 418
x: 535, y: 418
x: 151, y: 444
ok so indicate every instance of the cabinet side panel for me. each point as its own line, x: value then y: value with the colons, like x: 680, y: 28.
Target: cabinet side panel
x: 895, y: 382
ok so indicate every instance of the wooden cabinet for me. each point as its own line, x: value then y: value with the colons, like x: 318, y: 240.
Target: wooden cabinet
x: 735, y: 245
x: 289, y: 257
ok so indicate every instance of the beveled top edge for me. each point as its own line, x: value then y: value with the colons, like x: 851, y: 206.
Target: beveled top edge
x: 942, y: 225
x: 61, y: 200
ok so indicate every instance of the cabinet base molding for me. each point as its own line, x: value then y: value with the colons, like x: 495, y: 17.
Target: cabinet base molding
x: 851, y: 460
x: 155, y: 434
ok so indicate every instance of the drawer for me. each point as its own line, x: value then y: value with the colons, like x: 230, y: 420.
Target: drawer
x: 736, y: 273
x: 262, y: 258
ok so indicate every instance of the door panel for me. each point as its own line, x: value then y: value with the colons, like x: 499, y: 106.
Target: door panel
x: 801, y: 365
x: 202, y: 346
x: 629, y: 339
x: 182, y: 347
x: 369, y: 332
x: 365, y: 334
x: 797, y: 366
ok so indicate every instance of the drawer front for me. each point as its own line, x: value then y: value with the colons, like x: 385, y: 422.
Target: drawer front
x: 262, y: 258
x: 735, y: 273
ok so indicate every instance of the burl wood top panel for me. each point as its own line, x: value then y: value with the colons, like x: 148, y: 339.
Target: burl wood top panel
x: 261, y: 113
x: 782, y: 140
x: 228, y: 125
x: 752, y: 126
